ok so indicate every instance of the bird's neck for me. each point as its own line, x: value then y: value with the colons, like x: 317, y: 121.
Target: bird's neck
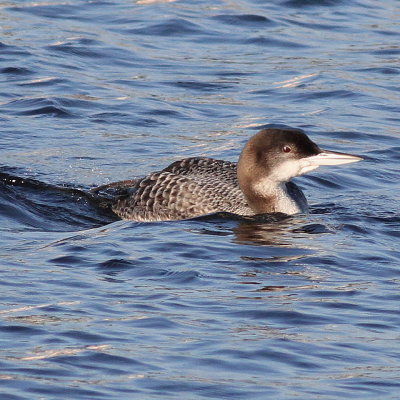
x: 263, y: 194
x: 259, y: 192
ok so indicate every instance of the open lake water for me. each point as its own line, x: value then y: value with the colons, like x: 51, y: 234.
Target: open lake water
x: 215, y: 308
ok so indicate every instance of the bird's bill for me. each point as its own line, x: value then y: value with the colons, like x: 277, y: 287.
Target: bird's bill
x: 326, y: 157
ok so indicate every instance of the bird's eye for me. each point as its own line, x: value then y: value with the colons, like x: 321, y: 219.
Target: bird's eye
x: 287, y: 149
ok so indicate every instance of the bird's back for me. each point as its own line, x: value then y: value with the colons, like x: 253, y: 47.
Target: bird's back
x: 185, y: 189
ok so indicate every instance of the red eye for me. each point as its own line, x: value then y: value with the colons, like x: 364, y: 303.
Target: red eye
x: 286, y: 149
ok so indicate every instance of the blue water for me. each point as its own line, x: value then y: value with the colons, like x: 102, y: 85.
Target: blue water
x: 98, y: 91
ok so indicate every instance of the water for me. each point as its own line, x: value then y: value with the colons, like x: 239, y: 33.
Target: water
x: 98, y: 91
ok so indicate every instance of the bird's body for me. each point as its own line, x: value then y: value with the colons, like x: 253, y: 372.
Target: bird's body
x: 185, y: 189
x: 190, y: 188
x: 259, y: 183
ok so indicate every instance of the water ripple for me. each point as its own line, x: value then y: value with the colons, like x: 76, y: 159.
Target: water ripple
x: 216, y: 307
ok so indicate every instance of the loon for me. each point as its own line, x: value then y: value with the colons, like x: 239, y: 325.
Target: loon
x: 258, y: 183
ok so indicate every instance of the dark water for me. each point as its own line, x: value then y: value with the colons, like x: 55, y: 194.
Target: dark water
x: 216, y: 308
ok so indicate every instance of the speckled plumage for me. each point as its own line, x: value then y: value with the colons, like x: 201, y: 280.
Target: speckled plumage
x: 186, y: 189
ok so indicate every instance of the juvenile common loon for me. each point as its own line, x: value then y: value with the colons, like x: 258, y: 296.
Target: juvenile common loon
x: 259, y: 183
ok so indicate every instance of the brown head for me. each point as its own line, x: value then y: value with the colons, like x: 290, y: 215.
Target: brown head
x: 274, y: 156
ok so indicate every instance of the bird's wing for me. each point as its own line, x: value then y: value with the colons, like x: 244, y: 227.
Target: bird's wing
x: 206, y: 169
x: 168, y: 196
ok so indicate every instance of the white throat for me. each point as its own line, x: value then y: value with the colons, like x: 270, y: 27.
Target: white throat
x: 278, y: 193
x: 290, y: 169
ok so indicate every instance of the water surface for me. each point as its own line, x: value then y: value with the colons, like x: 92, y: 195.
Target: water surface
x: 216, y: 308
